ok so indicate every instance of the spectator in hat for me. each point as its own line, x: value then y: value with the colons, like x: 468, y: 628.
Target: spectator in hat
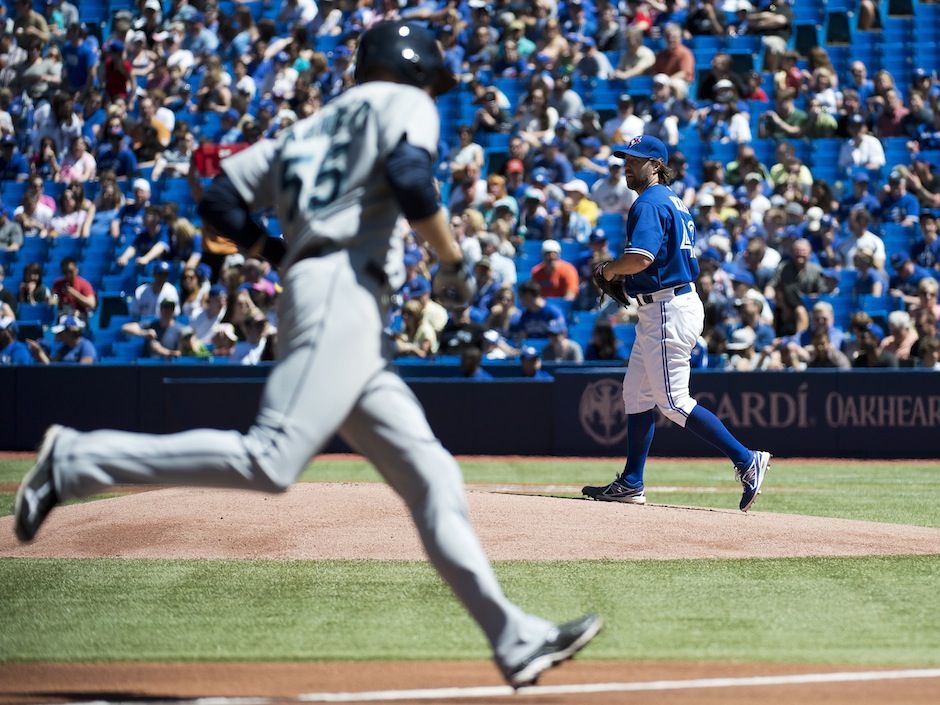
x: 149, y: 297
x: 611, y: 194
x: 487, y: 285
x: 897, y: 205
x: 13, y: 164
x: 117, y: 74
x: 461, y: 332
x: 560, y: 347
x: 906, y: 278
x: 594, y: 63
x: 75, y: 295
x: 535, y: 223
x: 555, y: 277
x: 708, y: 85
x: 531, y: 362
x: 199, y: 39
x: 860, y: 198
x: 71, y: 346
x: 536, y: 313
x: 871, y: 280
x: 12, y: 351
x: 861, y: 149
x: 589, y: 158
x: 676, y: 60
x: 724, y: 121
x: 922, y: 181
x: 206, y: 322
x: 625, y: 125
x: 490, y: 116
x: 162, y: 336
x: 635, y: 58
x: 113, y: 154
x: 577, y: 191
x: 742, y: 348
x: 552, y: 160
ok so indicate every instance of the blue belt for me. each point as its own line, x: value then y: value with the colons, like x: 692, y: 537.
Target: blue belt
x: 678, y: 291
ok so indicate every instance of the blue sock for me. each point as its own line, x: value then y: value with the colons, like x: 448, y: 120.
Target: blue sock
x: 709, y: 428
x: 640, y: 428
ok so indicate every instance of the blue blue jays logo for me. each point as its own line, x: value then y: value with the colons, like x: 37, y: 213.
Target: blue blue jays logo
x: 634, y: 142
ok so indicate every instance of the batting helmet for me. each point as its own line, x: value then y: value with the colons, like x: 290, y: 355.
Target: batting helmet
x: 408, y: 51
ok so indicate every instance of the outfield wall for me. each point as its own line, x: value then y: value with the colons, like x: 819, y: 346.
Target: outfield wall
x: 883, y: 414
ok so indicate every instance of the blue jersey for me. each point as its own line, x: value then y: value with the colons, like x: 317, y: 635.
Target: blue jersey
x: 661, y: 227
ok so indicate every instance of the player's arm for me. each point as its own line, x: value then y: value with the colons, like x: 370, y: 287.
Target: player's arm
x: 410, y: 173
x: 223, y: 207
x: 628, y: 263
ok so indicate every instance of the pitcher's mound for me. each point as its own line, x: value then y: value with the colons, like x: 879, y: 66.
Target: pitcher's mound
x: 368, y: 521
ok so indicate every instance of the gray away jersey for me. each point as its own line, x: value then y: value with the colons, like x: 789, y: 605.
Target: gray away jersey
x: 324, y: 175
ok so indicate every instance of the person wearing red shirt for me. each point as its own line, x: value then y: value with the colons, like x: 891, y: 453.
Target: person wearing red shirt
x: 75, y: 295
x: 118, y: 80
x: 676, y: 61
x: 554, y: 276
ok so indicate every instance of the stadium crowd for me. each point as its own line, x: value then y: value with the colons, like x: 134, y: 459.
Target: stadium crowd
x: 811, y: 167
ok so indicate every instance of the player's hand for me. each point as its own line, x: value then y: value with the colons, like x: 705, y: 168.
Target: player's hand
x: 454, y: 286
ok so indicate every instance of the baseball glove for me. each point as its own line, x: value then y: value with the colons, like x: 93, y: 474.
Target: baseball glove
x: 454, y: 285
x: 613, y: 289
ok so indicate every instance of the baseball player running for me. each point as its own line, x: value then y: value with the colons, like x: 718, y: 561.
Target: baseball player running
x: 658, y: 268
x: 339, y: 181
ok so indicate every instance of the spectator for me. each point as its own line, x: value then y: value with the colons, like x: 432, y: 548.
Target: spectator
x: 571, y: 225
x: 75, y: 295
x: 636, y: 59
x: 13, y: 165
x: 461, y: 332
x: 860, y: 198
x: 786, y: 121
x: 871, y: 280
x: 12, y: 351
x: 536, y: 314
x: 790, y: 316
x: 890, y: 121
x: 259, y: 344
x: 859, y: 236
x: 117, y: 72
x: 69, y: 220
x: 185, y: 243
x: 504, y: 269
x: 80, y: 61
x: 929, y: 357
x: 503, y: 312
x: 823, y: 353
x: 611, y: 194
x: 175, y: 161
x: 11, y: 232
x: 750, y: 308
x: 535, y: 118
x: 859, y: 81
x: 861, y: 149
x: 927, y: 290
x: 577, y: 191
x: 706, y: 19
x: 491, y: 117
x: 760, y: 260
x: 676, y: 61
x: 44, y: 163
x: 923, y: 182
x: 798, y: 271
x: 114, y: 155
x: 531, y: 363
x: 151, y: 244
x: 470, y: 358
x: 902, y: 336
x: 925, y: 252
x: 162, y: 335
x: 108, y: 204
x: 897, y: 205
x: 33, y: 216
x: 773, y: 22
x: 78, y: 164
x: 820, y: 122
x: 418, y: 337
x: 71, y: 346
x: 205, y: 323
x: 6, y: 296
x: 925, y: 323
x: 725, y: 121
x: 604, y: 344
x: 594, y: 63
x: 720, y: 71
x: 742, y: 344
x: 823, y: 321
x: 554, y: 276
x: 535, y: 223
x: 560, y: 347
x: 870, y: 353
x: 148, y: 297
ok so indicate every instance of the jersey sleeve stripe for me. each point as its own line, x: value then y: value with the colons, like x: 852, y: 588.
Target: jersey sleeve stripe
x: 638, y: 251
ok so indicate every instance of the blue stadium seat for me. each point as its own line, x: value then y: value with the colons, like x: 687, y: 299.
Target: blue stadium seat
x: 44, y: 313
x: 33, y: 250
x: 563, y: 305
x: 128, y: 349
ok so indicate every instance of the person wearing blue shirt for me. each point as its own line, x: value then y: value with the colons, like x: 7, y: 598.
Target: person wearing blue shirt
x: 897, y: 205
x: 926, y: 251
x: 79, y: 60
x: 12, y: 351
x: 130, y: 218
x: 860, y: 82
x: 151, y: 243
x: 13, y: 165
x: 531, y: 362
x: 658, y: 268
x: 537, y: 314
x: 870, y: 280
x: 907, y: 276
x: 860, y: 197
x: 559, y: 168
x: 113, y: 155
x: 71, y: 346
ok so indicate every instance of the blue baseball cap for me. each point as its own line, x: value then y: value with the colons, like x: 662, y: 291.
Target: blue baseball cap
x: 529, y: 353
x: 598, y: 236
x: 420, y: 287
x: 644, y: 147
x: 160, y: 267
x: 68, y: 323
x: 899, y: 259
x: 557, y: 326
x: 541, y: 175
x: 412, y: 257
x: 591, y: 143
x: 861, y: 177
x: 231, y: 114
x: 217, y: 290
x: 741, y: 275
x: 712, y: 254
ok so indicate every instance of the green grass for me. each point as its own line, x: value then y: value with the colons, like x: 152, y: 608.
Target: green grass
x: 900, y: 493
x: 821, y: 610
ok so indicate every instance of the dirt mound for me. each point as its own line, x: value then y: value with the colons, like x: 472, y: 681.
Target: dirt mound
x: 359, y: 520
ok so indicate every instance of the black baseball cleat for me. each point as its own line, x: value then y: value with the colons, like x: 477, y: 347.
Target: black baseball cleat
x: 563, y: 643
x: 37, y: 495
x: 752, y: 478
x: 616, y: 491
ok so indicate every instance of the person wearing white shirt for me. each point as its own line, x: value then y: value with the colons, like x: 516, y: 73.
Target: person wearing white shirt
x: 206, y: 322
x: 611, y: 194
x: 503, y: 268
x: 147, y: 297
x: 859, y: 236
x: 861, y: 149
x: 625, y: 125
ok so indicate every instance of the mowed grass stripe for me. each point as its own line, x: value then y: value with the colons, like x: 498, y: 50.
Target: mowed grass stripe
x: 899, y: 493
x: 853, y: 611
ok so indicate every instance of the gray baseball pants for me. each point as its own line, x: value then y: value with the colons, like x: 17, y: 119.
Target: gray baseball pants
x: 331, y: 376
